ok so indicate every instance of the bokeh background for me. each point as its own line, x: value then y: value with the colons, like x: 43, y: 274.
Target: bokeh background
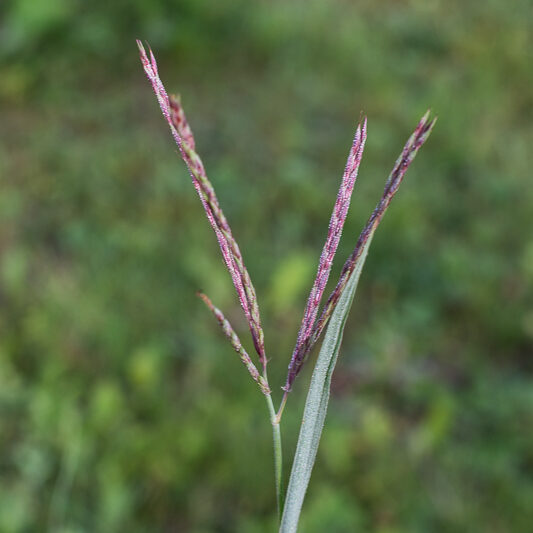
x: 122, y: 407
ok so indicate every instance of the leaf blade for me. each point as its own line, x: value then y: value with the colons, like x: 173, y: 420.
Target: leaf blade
x: 317, y: 402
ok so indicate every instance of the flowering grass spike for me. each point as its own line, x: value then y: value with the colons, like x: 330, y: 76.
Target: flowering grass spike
x: 409, y: 152
x: 338, y: 216
x: 175, y: 116
x: 236, y: 343
x: 417, y: 139
x: 333, y: 316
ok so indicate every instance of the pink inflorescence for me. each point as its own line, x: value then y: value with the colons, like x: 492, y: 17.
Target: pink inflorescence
x: 338, y: 216
x: 311, y: 327
x: 181, y: 131
x: 417, y: 139
x: 237, y: 344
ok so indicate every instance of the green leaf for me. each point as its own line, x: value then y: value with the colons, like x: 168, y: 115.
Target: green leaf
x: 317, y: 403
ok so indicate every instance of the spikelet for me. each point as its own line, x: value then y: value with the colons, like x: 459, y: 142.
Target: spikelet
x: 338, y: 217
x: 237, y: 345
x: 182, y: 133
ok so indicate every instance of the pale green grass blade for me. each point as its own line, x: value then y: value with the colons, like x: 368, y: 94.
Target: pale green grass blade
x: 317, y: 403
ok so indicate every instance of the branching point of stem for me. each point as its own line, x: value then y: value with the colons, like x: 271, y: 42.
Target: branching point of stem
x: 277, y: 418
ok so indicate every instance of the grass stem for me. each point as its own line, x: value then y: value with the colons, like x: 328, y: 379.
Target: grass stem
x: 278, y: 456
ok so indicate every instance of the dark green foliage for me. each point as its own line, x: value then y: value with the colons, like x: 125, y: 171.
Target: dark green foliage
x: 121, y: 406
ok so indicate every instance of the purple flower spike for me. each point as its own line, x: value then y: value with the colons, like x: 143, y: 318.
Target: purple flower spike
x: 417, y: 139
x: 338, y: 216
x: 181, y: 131
x: 306, y: 342
x: 237, y: 345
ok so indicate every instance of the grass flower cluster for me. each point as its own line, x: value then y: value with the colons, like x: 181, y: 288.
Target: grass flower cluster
x: 328, y: 320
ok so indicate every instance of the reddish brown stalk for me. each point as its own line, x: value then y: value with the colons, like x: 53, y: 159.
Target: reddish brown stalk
x: 175, y: 116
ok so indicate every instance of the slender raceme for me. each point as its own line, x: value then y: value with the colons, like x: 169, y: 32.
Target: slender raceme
x: 181, y: 131
x: 236, y: 343
x: 338, y: 216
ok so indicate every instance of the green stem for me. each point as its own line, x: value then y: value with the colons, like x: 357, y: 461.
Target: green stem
x: 276, y: 435
x: 281, y: 407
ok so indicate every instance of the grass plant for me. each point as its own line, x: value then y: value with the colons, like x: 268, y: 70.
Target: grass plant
x: 328, y: 321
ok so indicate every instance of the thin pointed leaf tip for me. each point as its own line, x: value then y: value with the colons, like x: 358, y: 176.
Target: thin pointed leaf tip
x: 306, y: 343
x: 175, y: 116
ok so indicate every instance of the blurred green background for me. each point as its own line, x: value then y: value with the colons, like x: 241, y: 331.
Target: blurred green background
x: 122, y: 407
